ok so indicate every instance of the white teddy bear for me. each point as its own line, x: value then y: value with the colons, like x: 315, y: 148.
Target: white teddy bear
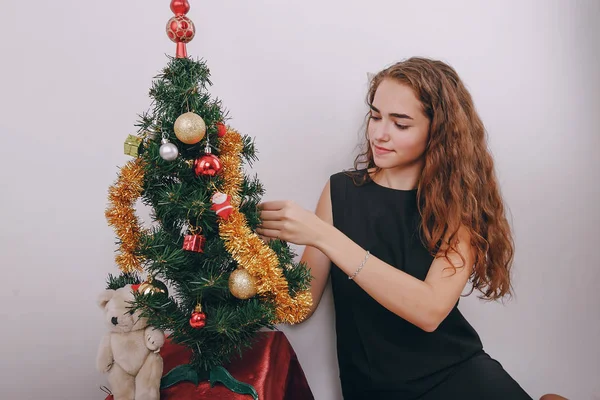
x: 129, y: 352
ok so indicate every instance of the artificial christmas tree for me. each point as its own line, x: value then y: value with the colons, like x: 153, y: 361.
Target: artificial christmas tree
x: 225, y: 283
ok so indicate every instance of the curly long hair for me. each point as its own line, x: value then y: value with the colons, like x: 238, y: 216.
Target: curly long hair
x: 458, y: 185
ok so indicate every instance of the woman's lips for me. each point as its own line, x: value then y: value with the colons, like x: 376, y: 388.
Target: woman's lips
x: 380, y: 151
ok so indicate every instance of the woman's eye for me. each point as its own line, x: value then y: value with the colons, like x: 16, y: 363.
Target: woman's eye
x: 374, y: 117
x: 400, y: 126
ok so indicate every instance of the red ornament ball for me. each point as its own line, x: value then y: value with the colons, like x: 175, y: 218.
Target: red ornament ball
x: 180, y: 7
x: 198, y: 318
x: 207, y: 165
x: 181, y: 29
x: 221, y: 129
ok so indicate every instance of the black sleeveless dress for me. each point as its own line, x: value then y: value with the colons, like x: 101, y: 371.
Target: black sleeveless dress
x: 381, y: 355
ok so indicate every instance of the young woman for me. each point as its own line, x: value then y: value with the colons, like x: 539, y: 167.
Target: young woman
x: 401, y: 238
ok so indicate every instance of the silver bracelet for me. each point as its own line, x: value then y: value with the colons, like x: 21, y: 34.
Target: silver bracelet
x: 360, y: 266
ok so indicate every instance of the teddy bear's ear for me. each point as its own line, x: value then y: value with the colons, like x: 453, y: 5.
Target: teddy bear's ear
x: 105, y: 297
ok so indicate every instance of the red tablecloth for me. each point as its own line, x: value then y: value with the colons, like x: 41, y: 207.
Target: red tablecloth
x: 271, y: 366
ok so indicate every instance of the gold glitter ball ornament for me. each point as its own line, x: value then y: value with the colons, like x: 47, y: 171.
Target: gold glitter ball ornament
x: 189, y: 128
x: 241, y: 284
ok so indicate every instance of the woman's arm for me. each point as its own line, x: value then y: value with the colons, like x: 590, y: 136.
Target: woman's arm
x: 423, y: 303
x: 317, y: 262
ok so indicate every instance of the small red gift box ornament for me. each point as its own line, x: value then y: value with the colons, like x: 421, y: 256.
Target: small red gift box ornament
x: 194, y: 242
x: 221, y: 205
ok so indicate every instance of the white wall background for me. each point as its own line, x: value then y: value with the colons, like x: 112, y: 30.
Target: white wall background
x: 75, y: 74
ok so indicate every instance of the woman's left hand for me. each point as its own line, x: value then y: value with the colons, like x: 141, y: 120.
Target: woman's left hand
x: 287, y: 221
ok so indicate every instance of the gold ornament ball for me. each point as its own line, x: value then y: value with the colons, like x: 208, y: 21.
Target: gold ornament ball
x: 241, y: 284
x: 189, y: 128
x: 153, y: 287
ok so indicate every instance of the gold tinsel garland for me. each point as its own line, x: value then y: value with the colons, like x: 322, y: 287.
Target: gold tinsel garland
x: 250, y: 252
x: 121, y: 214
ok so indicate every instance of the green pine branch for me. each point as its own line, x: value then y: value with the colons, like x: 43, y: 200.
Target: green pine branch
x: 119, y: 281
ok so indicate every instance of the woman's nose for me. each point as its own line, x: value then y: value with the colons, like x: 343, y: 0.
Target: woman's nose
x: 380, y: 132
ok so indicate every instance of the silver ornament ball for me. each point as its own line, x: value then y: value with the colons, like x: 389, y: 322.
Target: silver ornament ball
x: 168, y: 151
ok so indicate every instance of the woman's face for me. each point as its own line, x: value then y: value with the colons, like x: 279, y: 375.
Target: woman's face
x: 398, y: 129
